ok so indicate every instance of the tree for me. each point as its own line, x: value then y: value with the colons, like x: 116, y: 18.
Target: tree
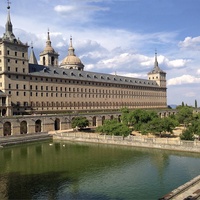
x: 195, y: 104
x: 113, y: 127
x: 155, y: 126
x: 187, y: 135
x: 169, y: 124
x: 138, y: 117
x: 80, y: 122
x: 185, y: 115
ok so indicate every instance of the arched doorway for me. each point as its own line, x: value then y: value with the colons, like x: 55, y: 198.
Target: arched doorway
x: 119, y: 118
x: 23, y: 127
x: 94, y: 121
x: 38, y: 126
x: 7, y: 128
x: 111, y: 117
x: 103, y: 119
x: 57, y: 124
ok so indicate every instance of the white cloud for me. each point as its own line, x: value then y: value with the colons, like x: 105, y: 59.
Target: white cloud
x: 184, y: 79
x: 162, y: 60
x: 82, y: 11
x: 132, y: 75
x: 177, y: 63
x: 190, y: 94
x: 190, y: 43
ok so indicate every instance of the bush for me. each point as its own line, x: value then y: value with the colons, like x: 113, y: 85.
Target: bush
x: 187, y: 135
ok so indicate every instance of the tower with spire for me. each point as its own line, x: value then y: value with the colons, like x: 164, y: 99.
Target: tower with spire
x: 48, y: 56
x: 13, y: 53
x: 13, y: 59
x: 157, y: 74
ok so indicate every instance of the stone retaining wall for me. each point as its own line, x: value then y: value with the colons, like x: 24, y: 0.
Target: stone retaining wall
x: 159, y: 143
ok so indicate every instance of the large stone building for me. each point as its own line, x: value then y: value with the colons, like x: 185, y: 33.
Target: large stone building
x: 27, y: 87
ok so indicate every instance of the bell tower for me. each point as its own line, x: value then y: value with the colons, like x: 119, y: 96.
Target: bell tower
x: 49, y: 57
x: 157, y: 74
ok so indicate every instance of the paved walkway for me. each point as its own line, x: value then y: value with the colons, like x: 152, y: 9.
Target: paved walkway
x: 188, y: 191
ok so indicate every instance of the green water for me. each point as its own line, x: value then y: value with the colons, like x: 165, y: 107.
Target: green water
x: 90, y: 171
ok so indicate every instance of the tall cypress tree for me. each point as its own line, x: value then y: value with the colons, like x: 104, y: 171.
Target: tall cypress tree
x: 195, y: 104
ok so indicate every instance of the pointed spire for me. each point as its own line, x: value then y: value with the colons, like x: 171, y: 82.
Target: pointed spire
x: 8, y: 24
x: 156, y: 68
x: 156, y: 61
x: 71, y: 48
x: 48, y: 36
x: 48, y: 42
x: 8, y: 35
x: 32, y: 58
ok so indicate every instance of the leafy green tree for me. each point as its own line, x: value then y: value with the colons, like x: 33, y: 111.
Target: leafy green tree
x: 187, y: 135
x: 138, y: 117
x: 80, y: 122
x: 182, y: 104
x: 169, y: 124
x: 113, y: 127
x: 155, y: 126
x: 194, y: 127
x: 185, y: 115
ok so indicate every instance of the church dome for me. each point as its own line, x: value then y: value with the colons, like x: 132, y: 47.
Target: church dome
x: 71, y: 61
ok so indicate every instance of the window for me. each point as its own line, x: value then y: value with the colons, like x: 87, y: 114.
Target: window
x: 16, y: 61
x: 41, y: 87
x: 8, y: 68
x: 16, y: 69
x: 8, y: 52
x: 24, y: 87
x: 17, y: 93
x: 16, y: 77
x: 22, y: 54
x: 23, y: 70
x: 8, y: 60
x: 17, y: 86
x: 15, y: 53
x: 24, y: 93
x: 31, y: 87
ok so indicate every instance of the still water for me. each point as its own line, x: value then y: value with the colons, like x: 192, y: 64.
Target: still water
x: 70, y: 170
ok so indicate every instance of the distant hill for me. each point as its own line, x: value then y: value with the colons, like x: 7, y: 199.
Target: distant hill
x: 173, y: 106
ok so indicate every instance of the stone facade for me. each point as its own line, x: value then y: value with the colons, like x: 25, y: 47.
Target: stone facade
x: 27, y: 87
x: 28, y: 124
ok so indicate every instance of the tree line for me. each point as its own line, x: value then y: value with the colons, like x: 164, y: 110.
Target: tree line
x: 148, y: 121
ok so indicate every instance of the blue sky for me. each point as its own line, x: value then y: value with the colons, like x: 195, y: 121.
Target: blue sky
x: 118, y: 36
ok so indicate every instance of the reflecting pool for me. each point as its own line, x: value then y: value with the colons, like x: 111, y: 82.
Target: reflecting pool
x: 67, y: 170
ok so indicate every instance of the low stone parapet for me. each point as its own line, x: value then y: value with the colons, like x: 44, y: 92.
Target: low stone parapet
x: 138, y: 141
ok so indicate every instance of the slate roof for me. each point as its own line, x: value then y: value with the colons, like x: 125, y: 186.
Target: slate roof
x: 74, y: 74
